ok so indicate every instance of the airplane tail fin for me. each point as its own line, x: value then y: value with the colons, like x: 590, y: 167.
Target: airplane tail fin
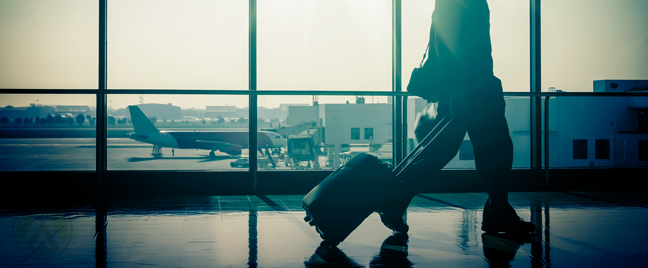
x: 141, y: 123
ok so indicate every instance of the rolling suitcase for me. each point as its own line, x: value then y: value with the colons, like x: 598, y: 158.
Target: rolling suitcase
x: 342, y: 201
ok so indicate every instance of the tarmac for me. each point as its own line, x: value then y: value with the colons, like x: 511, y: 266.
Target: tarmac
x: 79, y: 154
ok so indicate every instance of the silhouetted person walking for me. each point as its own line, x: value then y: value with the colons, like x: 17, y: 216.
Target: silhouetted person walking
x: 475, y: 97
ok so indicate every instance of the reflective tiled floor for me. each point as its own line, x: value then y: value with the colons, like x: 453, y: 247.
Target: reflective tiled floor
x: 578, y: 229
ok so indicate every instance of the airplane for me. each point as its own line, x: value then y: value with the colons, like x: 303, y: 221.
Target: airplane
x: 229, y: 142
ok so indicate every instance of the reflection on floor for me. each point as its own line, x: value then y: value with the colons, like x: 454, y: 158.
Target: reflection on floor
x: 578, y: 229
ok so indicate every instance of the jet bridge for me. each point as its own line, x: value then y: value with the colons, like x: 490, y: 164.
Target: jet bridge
x: 303, y: 149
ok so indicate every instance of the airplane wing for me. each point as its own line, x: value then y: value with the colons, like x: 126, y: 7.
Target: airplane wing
x: 229, y: 148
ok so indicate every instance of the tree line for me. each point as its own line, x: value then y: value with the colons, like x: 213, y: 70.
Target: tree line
x: 50, y: 120
x: 112, y: 121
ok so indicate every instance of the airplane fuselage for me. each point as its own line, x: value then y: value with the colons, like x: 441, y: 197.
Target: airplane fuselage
x: 230, y: 142
x: 206, y: 140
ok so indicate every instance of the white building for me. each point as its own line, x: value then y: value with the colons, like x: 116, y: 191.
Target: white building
x: 583, y: 131
x: 298, y: 115
x: 345, y: 124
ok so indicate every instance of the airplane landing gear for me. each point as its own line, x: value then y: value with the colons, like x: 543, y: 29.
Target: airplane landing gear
x: 212, y: 154
x: 157, y: 150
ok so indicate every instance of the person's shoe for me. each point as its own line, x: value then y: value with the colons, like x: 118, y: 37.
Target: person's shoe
x: 395, y: 221
x: 393, y: 215
x: 504, y: 220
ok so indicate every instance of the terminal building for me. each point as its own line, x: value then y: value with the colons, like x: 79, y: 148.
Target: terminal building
x: 32, y: 111
x: 72, y: 110
x: 222, y: 111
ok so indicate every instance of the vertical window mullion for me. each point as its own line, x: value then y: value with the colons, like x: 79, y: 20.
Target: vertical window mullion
x: 398, y: 103
x: 536, y: 87
x: 101, y: 157
x: 253, y: 98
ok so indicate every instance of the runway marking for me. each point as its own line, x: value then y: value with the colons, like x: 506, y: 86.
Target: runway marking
x: 15, y: 160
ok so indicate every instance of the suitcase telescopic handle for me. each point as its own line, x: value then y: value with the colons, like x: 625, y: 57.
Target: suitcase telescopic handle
x: 438, y: 128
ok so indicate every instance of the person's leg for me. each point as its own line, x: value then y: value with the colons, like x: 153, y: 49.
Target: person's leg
x: 493, y: 150
x: 417, y: 175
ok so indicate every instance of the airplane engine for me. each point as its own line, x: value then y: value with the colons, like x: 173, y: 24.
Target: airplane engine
x: 234, y: 150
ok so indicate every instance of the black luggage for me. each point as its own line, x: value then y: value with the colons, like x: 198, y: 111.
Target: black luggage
x: 342, y: 201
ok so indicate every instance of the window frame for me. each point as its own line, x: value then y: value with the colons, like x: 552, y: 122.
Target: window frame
x: 370, y: 137
x: 602, y: 149
x: 356, y: 132
x: 399, y: 97
x: 579, y: 149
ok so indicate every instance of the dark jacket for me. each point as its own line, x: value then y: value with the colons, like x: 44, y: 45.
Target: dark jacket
x: 460, y: 34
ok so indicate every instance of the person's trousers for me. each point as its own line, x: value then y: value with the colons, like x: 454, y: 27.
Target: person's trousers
x: 492, y: 147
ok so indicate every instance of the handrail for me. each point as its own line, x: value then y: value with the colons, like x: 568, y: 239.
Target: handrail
x: 299, y: 92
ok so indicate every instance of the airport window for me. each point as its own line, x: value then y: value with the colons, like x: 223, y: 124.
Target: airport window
x: 602, y: 149
x: 303, y: 44
x: 47, y: 132
x: 323, y: 125
x: 181, y: 132
x: 580, y: 149
x: 368, y: 133
x: 509, y: 31
x: 286, y: 59
x: 151, y: 45
x: 355, y: 133
x: 466, y: 151
x: 562, y: 50
x: 48, y: 45
x: 643, y: 150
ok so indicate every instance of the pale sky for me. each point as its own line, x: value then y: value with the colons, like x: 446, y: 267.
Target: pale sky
x: 302, y: 45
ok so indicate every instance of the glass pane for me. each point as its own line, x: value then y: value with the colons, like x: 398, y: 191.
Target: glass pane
x: 588, y: 40
x: 323, y: 132
x: 177, y: 132
x: 173, y: 44
x: 597, y: 131
x: 49, y: 44
x: 47, y: 132
x: 324, y: 45
x: 517, y: 117
x: 509, y: 31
